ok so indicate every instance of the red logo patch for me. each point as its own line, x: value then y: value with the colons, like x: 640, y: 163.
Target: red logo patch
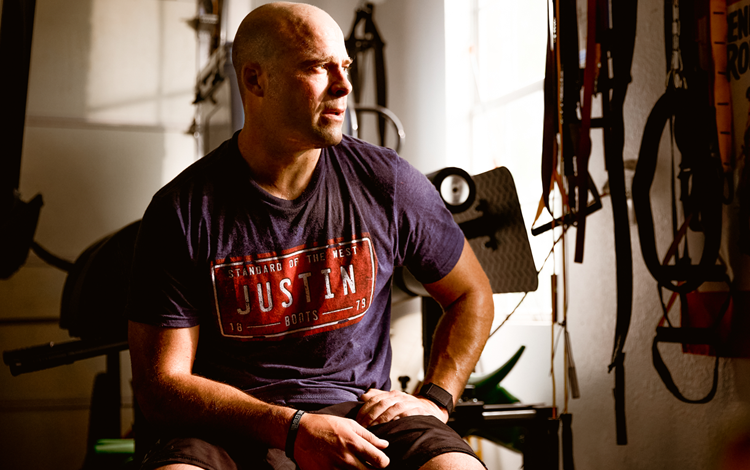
x: 303, y: 291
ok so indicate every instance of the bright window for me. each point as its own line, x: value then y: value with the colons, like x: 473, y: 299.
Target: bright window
x: 503, y: 46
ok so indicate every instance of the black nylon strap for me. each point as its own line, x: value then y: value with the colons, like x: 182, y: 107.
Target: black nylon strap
x: 690, y: 335
x: 567, y: 441
x: 437, y: 395
x: 677, y: 103
x: 620, y: 41
x: 743, y: 192
x: 682, y: 335
x: 621, y: 427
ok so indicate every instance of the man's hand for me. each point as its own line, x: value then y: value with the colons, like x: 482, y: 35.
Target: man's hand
x: 381, y: 407
x: 328, y: 442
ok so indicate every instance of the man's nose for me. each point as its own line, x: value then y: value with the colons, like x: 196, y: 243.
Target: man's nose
x: 341, y: 85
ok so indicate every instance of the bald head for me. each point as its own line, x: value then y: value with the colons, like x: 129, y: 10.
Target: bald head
x: 291, y: 63
x: 272, y: 31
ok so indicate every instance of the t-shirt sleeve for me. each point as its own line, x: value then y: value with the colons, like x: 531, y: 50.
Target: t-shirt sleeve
x: 164, y: 281
x: 429, y: 240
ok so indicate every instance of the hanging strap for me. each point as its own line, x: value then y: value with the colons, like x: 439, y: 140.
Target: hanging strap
x: 743, y: 188
x: 560, y: 119
x: 569, y: 69
x: 18, y: 219
x: 681, y: 277
x: 743, y: 194
x: 689, y: 335
x: 620, y: 42
x: 357, y: 47
x: 584, y: 139
x: 16, y: 30
x: 683, y: 336
x: 549, y: 130
x: 567, y: 441
x: 722, y: 99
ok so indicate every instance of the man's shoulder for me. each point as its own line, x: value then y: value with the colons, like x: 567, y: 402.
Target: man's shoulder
x: 349, y: 143
x: 358, y: 152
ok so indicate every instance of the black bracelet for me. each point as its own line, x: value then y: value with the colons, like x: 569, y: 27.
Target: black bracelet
x: 292, y: 434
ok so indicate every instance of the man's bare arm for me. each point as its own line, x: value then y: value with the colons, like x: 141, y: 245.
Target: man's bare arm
x: 169, y: 393
x: 466, y: 297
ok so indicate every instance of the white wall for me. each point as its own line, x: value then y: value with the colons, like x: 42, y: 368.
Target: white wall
x: 108, y: 109
x: 663, y: 432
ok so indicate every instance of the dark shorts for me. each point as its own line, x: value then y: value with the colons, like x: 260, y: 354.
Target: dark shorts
x: 413, y: 441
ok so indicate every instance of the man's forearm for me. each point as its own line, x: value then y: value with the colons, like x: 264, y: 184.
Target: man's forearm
x: 459, y: 340
x: 322, y: 442
x: 457, y: 344
x: 466, y: 297
x: 196, y: 402
x: 169, y: 394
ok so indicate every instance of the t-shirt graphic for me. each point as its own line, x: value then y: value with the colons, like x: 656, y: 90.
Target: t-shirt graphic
x: 302, y: 291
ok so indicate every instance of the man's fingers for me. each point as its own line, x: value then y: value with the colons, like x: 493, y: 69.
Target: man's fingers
x: 373, y: 439
x: 372, y: 452
x: 382, y: 412
x: 372, y: 393
x: 381, y: 407
x: 326, y: 442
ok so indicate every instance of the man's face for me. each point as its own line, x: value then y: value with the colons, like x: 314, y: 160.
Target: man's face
x: 308, y: 88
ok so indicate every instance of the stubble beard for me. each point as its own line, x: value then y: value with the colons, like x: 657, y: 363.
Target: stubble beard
x: 330, y: 135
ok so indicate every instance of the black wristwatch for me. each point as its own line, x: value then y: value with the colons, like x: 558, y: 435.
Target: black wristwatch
x: 437, y: 395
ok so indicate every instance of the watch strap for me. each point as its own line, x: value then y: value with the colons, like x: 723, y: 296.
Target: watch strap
x: 437, y: 395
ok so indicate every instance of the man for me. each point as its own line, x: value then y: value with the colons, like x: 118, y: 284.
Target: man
x: 261, y: 284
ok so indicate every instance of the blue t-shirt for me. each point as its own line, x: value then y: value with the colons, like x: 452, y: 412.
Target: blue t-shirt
x: 292, y: 297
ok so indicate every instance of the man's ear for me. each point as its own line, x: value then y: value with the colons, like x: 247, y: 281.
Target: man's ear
x: 253, y: 79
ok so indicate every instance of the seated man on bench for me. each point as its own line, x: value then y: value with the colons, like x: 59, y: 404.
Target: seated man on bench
x: 260, y: 299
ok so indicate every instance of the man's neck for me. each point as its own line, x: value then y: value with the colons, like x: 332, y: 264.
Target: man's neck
x: 282, y: 173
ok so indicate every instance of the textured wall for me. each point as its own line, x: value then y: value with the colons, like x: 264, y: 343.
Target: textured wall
x: 108, y: 105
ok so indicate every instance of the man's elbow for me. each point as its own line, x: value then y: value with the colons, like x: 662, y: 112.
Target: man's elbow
x: 486, y: 308
x: 481, y: 295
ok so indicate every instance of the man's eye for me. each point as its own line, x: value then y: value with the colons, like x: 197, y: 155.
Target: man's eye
x: 332, y: 68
